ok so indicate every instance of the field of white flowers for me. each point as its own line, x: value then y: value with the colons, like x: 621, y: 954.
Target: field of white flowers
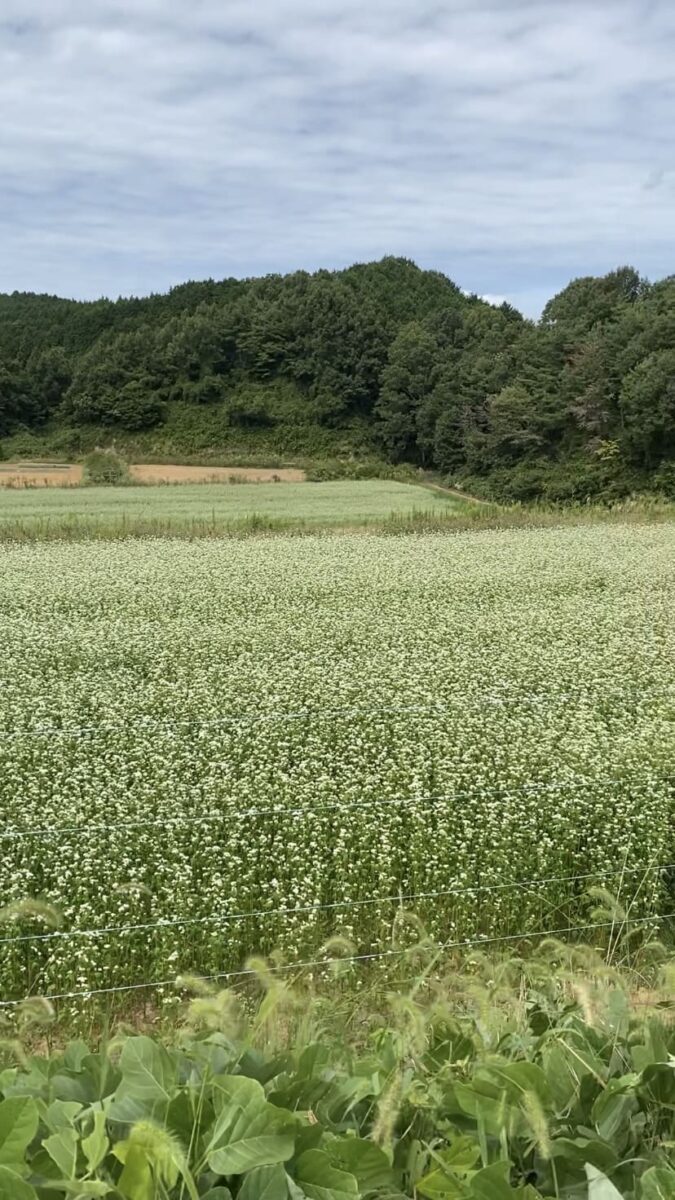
x: 241, y: 746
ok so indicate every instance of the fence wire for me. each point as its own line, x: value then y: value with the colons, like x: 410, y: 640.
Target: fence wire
x: 477, y: 941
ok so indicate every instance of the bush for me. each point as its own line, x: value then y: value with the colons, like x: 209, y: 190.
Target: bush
x: 105, y: 467
x: 664, y: 480
x: 251, y: 412
x: 328, y: 471
x: 515, y: 1091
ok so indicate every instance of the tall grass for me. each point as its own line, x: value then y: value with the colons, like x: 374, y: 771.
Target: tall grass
x: 462, y: 515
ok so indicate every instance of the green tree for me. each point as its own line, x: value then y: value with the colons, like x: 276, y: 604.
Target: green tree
x: 51, y: 375
x: 589, y: 387
x: 647, y: 404
x: 407, y: 381
x: 118, y: 382
x: 17, y: 401
x: 591, y: 300
x: 516, y: 428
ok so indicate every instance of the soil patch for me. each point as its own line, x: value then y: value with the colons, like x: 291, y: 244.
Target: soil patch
x: 168, y: 473
x: 32, y: 474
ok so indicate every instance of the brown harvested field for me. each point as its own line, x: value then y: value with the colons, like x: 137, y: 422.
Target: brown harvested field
x: 152, y: 473
x: 25, y: 474
x: 20, y: 474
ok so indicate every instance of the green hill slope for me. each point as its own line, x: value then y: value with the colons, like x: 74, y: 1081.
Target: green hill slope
x: 379, y: 359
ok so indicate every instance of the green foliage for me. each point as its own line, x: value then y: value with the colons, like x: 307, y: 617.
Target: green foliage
x: 324, y: 472
x: 381, y: 358
x: 647, y: 404
x: 105, y: 468
x: 501, y: 1092
x: 407, y: 381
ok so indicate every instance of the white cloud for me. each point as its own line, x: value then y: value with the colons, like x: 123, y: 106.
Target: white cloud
x: 510, y: 143
x: 492, y: 299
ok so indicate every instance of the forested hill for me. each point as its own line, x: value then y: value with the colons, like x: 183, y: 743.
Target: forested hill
x: 379, y: 359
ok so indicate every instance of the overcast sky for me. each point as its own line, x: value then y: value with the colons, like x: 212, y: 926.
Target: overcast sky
x: 511, y: 144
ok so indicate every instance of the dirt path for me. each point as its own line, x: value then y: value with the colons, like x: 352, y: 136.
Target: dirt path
x: 448, y: 491
x: 32, y: 474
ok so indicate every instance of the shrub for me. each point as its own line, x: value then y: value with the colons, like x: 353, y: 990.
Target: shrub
x: 664, y: 480
x: 332, y: 469
x: 515, y: 1091
x: 251, y: 412
x: 105, y: 467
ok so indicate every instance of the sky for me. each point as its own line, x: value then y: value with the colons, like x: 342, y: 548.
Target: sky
x: 511, y: 144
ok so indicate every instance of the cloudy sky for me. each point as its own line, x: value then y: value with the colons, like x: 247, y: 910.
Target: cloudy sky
x: 509, y: 143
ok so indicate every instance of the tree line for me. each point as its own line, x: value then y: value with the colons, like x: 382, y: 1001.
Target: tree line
x: 580, y: 403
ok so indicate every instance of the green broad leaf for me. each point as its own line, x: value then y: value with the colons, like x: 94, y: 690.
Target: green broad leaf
x: 256, y: 1065
x: 611, y: 1115
x: 294, y: 1192
x: 18, y: 1126
x: 321, y: 1181
x: 264, y: 1183
x: 248, y: 1132
x: 13, y: 1187
x: 562, y: 1080
x: 87, y: 1189
x: 364, y: 1160
x: 658, y: 1082
x: 101, y: 1076
x: 183, y: 1120
x: 599, y: 1186
x: 461, y: 1155
x: 71, y: 1089
x: 492, y: 1183
x: 658, y: 1183
x: 458, y: 1160
x: 440, y: 1185
x: 96, y: 1144
x: 520, y: 1077
x: 60, y: 1114
x: 567, y: 1064
x: 308, y: 1137
x: 148, y: 1074
x: 653, y: 1050
x: 62, y: 1149
x: 218, y: 1193
x: 75, y: 1054
x: 579, y: 1151
x: 487, y: 1103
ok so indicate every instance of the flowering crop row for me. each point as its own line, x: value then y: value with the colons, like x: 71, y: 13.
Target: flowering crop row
x: 465, y: 714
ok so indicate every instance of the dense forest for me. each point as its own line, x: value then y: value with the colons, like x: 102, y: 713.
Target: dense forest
x: 382, y: 359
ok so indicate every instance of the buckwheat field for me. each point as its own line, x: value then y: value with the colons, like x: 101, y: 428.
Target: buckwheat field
x: 214, y: 748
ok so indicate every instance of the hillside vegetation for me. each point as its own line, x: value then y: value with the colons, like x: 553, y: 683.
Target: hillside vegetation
x: 379, y: 359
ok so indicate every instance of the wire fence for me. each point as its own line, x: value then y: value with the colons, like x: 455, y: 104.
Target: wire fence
x: 281, y: 809
x: 399, y: 898
x: 328, y: 962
